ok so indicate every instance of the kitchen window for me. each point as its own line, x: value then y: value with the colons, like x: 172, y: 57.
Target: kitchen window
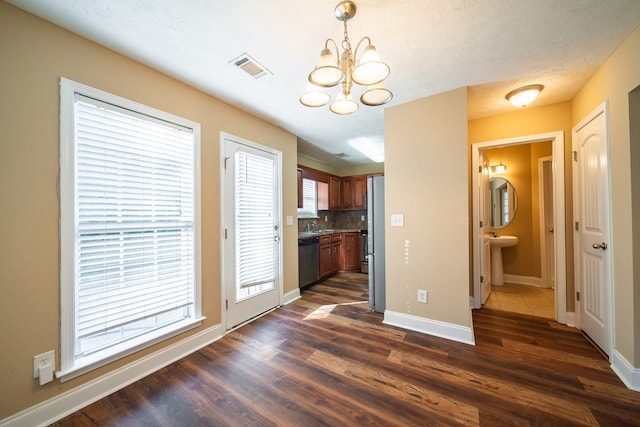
x: 309, y: 207
x: 129, y: 227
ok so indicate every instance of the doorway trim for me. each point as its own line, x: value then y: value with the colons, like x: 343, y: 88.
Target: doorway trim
x: 557, y: 140
x: 543, y: 206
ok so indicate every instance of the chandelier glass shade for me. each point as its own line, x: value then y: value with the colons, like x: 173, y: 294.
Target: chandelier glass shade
x: 346, y: 69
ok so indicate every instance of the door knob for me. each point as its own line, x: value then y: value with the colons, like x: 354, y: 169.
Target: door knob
x: 602, y: 246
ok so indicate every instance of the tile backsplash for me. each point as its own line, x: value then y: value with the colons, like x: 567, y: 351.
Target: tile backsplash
x: 338, y: 220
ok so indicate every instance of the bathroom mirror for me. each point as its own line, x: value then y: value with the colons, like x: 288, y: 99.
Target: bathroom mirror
x: 504, y: 201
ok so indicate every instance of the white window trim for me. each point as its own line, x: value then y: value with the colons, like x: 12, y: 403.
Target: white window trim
x: 69, y: 368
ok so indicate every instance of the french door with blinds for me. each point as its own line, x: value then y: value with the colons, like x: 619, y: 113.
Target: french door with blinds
x: 251, y: 230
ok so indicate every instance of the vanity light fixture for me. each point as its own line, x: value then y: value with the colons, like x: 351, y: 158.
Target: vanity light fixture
x: 524, y: 96
x: 333, y: 68
x: 497, y: 168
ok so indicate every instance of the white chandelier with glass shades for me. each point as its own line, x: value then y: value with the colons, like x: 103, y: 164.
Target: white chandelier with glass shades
x: 347, y: 69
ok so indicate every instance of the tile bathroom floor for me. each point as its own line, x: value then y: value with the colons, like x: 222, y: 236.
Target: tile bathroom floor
x: 524, y: 299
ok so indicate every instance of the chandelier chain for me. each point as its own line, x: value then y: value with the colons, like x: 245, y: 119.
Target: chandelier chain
x: 346, y: 43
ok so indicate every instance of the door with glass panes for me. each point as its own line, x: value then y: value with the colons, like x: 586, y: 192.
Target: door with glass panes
x: 251, y: 232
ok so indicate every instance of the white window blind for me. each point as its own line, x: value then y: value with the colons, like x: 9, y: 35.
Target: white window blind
x: 309, y: 207
x: 255, y: 177
x: 134, y: 258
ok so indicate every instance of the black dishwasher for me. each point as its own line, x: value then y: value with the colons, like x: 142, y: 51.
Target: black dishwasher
x: 308, y: 260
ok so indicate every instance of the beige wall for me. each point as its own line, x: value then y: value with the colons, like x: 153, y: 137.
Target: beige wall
x: 426, y: 180
x: 613, y: 81
x: 305, y: 161
x: 369, y: 168
x: 35, y: 54
x: 532, y: 121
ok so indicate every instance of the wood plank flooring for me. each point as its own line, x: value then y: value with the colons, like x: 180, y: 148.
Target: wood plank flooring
x: 326, y: 360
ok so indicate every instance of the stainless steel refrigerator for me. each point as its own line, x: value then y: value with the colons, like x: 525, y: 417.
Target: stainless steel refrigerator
x: 375, y: 222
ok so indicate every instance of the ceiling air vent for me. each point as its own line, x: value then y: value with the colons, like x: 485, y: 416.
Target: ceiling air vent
x: 341, y: 155
x: 250, y: 66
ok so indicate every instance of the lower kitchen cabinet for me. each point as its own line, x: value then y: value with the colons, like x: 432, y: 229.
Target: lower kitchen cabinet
x: 330, y: 254
x: 339, y: 252
x: 336, y: 252
x: 350, y: 251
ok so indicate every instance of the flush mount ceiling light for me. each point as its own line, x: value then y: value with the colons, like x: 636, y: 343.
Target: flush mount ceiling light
x: 347, y: 68
x: 524, y: 96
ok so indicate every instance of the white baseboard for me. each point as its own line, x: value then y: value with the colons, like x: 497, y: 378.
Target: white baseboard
x: 523, y: 280
x: 629, y: 375
x: 70, y: 401
x: 571, y: 319
x: 291, y: 296
x: 430, y: 327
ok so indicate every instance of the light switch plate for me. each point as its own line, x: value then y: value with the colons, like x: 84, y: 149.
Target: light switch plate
x: 397, y: 220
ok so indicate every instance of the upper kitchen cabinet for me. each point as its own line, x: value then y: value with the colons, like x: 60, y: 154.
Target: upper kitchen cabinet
x: 334, y: 193
x: 347, y: 193
x: 300, y: 196
x: 354, y: 190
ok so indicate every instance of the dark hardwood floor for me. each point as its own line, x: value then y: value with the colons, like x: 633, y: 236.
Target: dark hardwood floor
x: 326, y: 360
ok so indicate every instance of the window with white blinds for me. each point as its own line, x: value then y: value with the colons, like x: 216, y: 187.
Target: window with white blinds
x: 128, y: 226
x: 309, y: 207
x: 255, y: 222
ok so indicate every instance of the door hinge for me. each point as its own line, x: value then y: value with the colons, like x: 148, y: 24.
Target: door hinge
x: 577, y: 296
x: 479, y: 169
x: 226, y: 303
x: 225, y: 161
x: 225, y: 234
x: 577, y: 225
x: 575, y: 156
x: 481, y: 279
x: 481, y: 225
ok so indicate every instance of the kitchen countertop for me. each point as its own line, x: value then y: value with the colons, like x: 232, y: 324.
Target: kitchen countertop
x: 303, y: 234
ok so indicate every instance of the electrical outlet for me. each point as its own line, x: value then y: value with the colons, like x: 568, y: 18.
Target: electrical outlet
x: 422, y: 296
x: 289, y: 220
x: 43, y: 360
x: 397, y: 220
x: 361, y: 217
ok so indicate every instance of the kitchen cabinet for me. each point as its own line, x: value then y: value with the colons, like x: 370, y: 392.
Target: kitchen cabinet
x: 360, y: 192
x: 326, y: 259
x: 300, y: 197
x: 347, y: 193
x: 330, y: 254
x: 354, y: 190
x: 350, y: 251
x: 334, y: 192
x: 336, y: 252
x: 323, y: 196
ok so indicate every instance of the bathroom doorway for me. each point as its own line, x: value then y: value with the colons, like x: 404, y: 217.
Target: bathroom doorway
x: 555, y: 225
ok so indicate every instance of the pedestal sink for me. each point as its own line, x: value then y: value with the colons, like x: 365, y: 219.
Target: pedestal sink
x: 497, y: 269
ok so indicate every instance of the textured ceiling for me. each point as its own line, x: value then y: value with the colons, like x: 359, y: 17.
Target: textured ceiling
x: 432, y: 46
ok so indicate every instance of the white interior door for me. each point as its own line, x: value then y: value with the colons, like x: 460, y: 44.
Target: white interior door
x: 592, y: 210
x: 251, y: 230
